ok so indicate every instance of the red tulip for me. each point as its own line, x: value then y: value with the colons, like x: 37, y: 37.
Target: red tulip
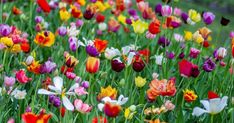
x: 233, y: 51
x: 212, y: 95
x: 25, y: 47
x: 99, y: 120
x: 112, y: 110
x: 44, y: 5
x: 92, y: 64
x: 188, y: 69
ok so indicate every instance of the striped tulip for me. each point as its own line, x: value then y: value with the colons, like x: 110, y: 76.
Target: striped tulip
x: 92, y: 64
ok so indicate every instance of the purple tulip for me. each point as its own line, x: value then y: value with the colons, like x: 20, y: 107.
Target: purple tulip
x: 38, y: 19
x: 232, y: 34
x: 79, y: 23
x: 128, y: 21
x: 5, y: 30
x: 85, y: 84
x: 62, y: 31
x: 181, y: 55
x: 158, y: 9
x: 9, y: 81
x: 163, y: 41
x: 48, y: 67
x: 184, y: 17
x: 132, y: 12
x: 194, y: 52
x: 209, y: 65
x: 170, y: 55
x: 92, y: 51
x: 166, y: 11
x: 93, y: 1
x: 73, y: 45
x: 28, y: 109
x: 55, y: 100
x: 208, y: 17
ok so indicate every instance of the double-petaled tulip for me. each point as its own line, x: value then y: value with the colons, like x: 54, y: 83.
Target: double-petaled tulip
x: 45, y: 38
x: 208, y: 17
x: 100, y: 45
x: 209, y: 65
x: 92, y: 64
x: 154, y: 27
x: 21, y: 77
x: 188, y: 69
x: 107, y: 92
x: 161, y: 87
x: 189, y: 95
x: 30, y: 117
x: 117, y: 65
x: 194, y: 53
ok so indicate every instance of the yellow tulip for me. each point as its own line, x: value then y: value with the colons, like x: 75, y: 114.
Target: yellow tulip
x: 7, y: 41
x: 140, y: 82
x: 194, y: 15
x: 139, y: 26
x: 188, y: 35
x: 64, y: 15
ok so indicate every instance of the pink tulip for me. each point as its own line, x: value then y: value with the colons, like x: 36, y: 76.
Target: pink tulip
x: 82, y: 107
x: 21, y: 77
x: 9, y: 81
x: 166, y: 10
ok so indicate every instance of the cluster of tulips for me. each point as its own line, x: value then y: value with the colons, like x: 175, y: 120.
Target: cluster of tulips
x: 105, y: 61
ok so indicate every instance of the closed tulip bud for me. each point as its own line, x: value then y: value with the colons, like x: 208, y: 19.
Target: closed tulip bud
x: 117, y: 65
x: 92, y: 64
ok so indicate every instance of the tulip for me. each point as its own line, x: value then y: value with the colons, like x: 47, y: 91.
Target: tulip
x: 55, y: 100
x: 85, y: 84
x: 212, y: 106
x: 158, y: 9
x: 9, y: 81
x: 39, y: 19
x: 185, y: 17
x: 44, y: 5
x: 209, y: 65
x: 189, y: 95
x: 163, y: 41
x: 5, y: 30
x: 224, y: 21
x: 92, y: 51
x: 100, y: 45
x: 107, y: 92
x: 70, y: 60
x: 194, y: 15
x: 21, y: 77
x: 138, y: 66
x: 30, y: 117
x: 194, y: 52
x: 139, y: 81
x: 110, y: 53
x: 82, y: 107
x: 117, y: 65
x: 99, y: 120
x: 188, y: 69
x: 48, y: 67
x: 139, y: 26
x: 208, y: 17
x: 100, y: 18
x: 92, y: 64
x: 62, y: 31
x: 177, y: 11
x: 154, y: 27
x: 166, y: 11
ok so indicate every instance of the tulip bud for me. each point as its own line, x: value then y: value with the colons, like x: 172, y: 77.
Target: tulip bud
x: 117, y: 65
x: 138, y: 66
x: 92, y: 64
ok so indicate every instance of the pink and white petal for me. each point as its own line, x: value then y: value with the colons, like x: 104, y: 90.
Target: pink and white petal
x: 206, y: 104
x: 78, y: 104
x: 58, y: 82
x: 76, y: 85
x: 198, y: 111
x: 46, y: 92
x: 66, y: 102
x: 100, y: 106
x: 70, y: 93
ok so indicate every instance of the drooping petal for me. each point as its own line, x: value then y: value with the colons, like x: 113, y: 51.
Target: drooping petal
x: 206, y: 104
x: 58, y: 82
x: 198, y: 111
x: 68, y: 105
x: 76, y: 85
x: 54, y: 89
x: 46, y: 92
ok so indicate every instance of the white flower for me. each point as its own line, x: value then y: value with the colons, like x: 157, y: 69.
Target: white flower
x: 72, y: 31
x: 121, y: 101
x: 102, y: 26
x: 222, y: 52
x: 159, y: 59
x: 59, y: 90
x: 178, y: 37
x: 110, y: 53
x: 18, y: 94
x: 212, y: 106
x: 29, y: 60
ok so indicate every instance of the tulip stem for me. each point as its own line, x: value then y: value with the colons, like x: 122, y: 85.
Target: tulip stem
x: 136, y: 41
x: 212, y: 119
x: 4, y: 58
x: 1, y: 11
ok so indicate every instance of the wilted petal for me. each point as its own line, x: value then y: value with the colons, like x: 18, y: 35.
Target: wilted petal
x: 198, y: 111
x: 46, y: 92
x: 58, y: 82
x: 68, y: 105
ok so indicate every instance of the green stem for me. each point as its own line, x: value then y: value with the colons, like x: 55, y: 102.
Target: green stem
x: 212, y: 119
x: 4, y: 59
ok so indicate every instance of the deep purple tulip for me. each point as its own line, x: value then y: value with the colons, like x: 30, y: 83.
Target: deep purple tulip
x: 184, y: 17
x: 5, y: 30
x: 138, y: 66
x: 181, y: 55
x: 163, y: 41
x: 170, y: 55
x: 209, y: 65
x: 158, y: 9
x: 224, y: 21
x: 117, y: 66
x: 92, y: 51
x: 88, y: 14
x: 128, y: 21
x: 132, y: 12
x: 208, y: 17
x: 62, y: 31
x: 55, y: 100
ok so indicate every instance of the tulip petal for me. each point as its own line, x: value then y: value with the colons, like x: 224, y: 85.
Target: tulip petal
x: 122, y: 100
x: 68, y: 105
x: 46, y: 92
x: 58, y: 82
x: 214, y: 105
x: 100, y: 106
x: 54, y: 88
x: 206, y: 104
x: 76, y: 85
x: 198, y: 111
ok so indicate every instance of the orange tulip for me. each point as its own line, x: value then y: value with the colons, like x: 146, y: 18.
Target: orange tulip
x: 100, y: 45
x: 92, y: 64
x: 30, y: 117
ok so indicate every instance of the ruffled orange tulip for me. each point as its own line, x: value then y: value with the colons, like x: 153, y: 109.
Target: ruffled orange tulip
x: 100, y: 45
x: 30, y: 117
